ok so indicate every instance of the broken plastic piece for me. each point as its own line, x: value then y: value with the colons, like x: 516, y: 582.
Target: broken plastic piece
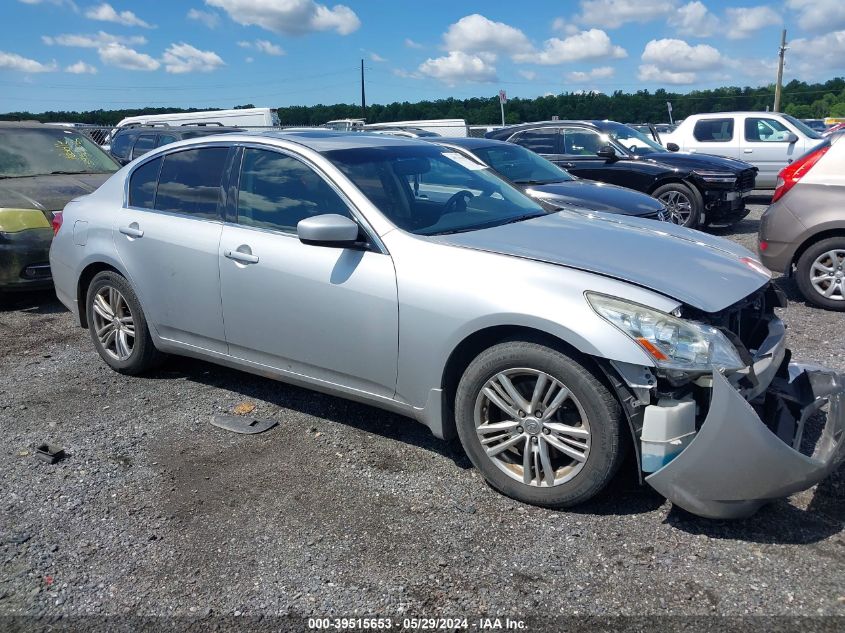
x: 241, y: 424
x: 50, y: 454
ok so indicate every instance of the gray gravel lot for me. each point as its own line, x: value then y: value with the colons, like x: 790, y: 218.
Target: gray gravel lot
x: 344, y: 509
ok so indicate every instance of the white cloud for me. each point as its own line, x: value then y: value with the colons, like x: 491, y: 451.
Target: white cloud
x: 13, y: 61
x: 97, y: 40
x: 409, y: 43
x: 107, y: 13
x: 819, y: 15
x: 58, y: 3
x: 817, y: 53
x: 612, y: 14
x: 401, y: 72
x: 184, y: 58
x: 292, y: 17
x: 209, y: 18
x: 476, y: 34
x: 458, y: 66
x: 694, y: 19
x: 263, y: 46
x: 650, y: 72
x: 602, y: 72
x: 562, y: 26
x: 530, y: 75
x: 121, y: 56
x: 743, y: 21
x: 677, y: 55
x: 586, y: 45
x: 81, y: 68
x: 377, y: 58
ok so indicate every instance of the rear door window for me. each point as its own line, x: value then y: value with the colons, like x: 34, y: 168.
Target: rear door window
x: 165, y: 139
x: 541, y: 140
x: 120, y: 146
x: 144, y: 144
x: 142, y: 184
x: 714, y: 130
x: 190, y: 182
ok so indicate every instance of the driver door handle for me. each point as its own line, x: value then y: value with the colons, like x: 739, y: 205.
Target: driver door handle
x: 238, y: 256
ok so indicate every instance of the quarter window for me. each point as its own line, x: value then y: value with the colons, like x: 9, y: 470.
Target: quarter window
x: 765, y: 130
x: 542, y: 141
x: 714, y: 130
x: 142, y: 184
x: 190, y: 182
x: 277, y: 191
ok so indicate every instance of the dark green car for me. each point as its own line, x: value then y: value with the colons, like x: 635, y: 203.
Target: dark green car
x: 42, y: 168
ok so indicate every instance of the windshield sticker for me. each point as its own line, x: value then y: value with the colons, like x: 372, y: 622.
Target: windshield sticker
x: 463, y: 161
x: 72, y: 149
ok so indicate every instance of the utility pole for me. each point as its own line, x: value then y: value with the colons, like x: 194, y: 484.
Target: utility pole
x: 363, y: 98
x: 778, y: 85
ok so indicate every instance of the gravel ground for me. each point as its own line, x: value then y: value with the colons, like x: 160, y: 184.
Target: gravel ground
x: 343, y: 509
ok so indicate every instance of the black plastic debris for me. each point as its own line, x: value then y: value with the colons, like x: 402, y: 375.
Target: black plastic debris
x: 50, y: 454
x: 242, y: 424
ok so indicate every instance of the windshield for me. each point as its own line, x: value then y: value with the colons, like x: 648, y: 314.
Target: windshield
x: 635, y: 142
x: 39, y: 151
x: 803, y: 127
x: 521, y: 165
x: 432, y: 191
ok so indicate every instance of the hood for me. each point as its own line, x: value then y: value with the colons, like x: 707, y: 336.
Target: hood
x: 596, y: 196
x: 49, y: 192
x: 700, y: 270
x: 698, y: 161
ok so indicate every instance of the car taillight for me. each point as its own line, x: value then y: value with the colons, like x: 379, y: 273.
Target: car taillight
x: 792, y: 173
x: 58, y: 218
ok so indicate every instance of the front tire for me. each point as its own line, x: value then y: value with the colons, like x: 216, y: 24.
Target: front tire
x: 821, y: 273
x: 684, y: 203
x: 539, y: 425
x: 117, y: 325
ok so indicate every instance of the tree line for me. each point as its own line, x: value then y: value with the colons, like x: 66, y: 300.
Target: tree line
x: 801, y: 99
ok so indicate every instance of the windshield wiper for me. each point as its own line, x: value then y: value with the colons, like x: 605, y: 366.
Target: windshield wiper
x: 535, y: 182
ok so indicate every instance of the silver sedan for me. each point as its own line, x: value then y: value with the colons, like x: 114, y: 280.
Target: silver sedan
x: 402, y: 274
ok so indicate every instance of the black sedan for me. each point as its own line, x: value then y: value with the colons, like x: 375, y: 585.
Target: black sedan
x: 697, y: 189
x: 543, y: 180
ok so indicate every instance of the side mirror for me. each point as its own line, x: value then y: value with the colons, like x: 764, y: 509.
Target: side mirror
x: 791, y: 138
x: 672, y: 147
x: 607, y: 152
x: 328, y: 230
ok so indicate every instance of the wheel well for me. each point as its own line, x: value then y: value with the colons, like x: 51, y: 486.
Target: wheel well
x: 817, y: 237
x: 475, y: 343
x: 85, y: 278
x: 668, y: 181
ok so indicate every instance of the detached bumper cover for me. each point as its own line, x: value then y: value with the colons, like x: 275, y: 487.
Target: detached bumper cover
x: 736, y: 463
x: 24, y: 258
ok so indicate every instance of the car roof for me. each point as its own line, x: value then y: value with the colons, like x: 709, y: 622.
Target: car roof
x: 327, y: 140
x: 467, y: 142
x: 193, y: 129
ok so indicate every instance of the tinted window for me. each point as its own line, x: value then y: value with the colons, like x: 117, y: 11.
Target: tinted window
x: 520, y: 165
x: 277, y: 191
x: 765, y: 130
x: 142, y: 185
x: 120, y: 145
x: 190, y: 181
x: 580, y: 142
x: 714, y: 130
x: 143, y: 145
x: 165, y: 139
x: 542, y: 141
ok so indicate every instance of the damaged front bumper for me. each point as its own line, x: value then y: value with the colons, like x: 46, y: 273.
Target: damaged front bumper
x: 737, y: 462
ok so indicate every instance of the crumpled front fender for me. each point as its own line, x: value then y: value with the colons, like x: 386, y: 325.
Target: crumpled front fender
x: 735, y: 463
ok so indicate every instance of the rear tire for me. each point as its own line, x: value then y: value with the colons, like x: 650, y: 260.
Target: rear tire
x: 823, y: 262
x: 589, y: 423
x: 117, y: 325
x: 684, y: 203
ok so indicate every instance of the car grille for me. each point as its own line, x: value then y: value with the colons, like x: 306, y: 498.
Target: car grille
x: 746, y: 179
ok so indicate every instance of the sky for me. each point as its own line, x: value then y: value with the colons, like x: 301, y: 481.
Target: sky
x: 85, y: 54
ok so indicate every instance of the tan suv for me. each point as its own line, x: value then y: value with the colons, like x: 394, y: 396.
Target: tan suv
x: 802, y: 233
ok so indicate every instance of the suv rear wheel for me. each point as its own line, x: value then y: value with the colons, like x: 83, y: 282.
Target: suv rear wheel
x: 821, y: 273
x: 540, y: 426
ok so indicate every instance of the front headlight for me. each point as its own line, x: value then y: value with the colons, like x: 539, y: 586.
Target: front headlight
x: 724, y: 178
x: 673, y: 343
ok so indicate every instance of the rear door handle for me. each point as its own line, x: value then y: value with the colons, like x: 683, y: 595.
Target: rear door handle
x: 132, y: 230
x: 238, y: 256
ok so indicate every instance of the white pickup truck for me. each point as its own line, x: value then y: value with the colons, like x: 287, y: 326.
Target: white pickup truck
x: 767, y: 140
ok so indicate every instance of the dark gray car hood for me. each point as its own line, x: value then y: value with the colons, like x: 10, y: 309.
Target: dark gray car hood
x: 597, y: 196
x: 700, y: 270
x: 48, y: 192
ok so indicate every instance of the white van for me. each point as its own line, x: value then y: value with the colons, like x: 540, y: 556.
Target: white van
x: 442, y: 127
x: 247, y: 117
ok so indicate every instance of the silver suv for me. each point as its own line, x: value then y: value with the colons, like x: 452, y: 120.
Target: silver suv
x: 402, y: 274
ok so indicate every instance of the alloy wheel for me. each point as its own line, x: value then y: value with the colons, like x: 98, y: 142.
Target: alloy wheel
x: 679, y: 206
x: 113, y: 323
x: 532, y: 427
x: 827, y: 274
